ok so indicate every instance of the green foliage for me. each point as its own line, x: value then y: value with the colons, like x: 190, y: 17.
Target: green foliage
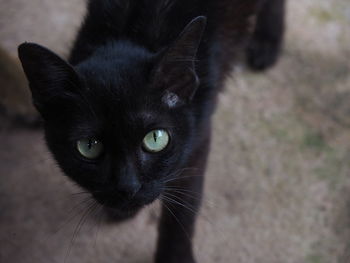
x: 314, y: 259
x: 314, y: 140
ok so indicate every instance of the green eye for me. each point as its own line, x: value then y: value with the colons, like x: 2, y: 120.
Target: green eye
x: 90, y: 148
x: 156, y: 140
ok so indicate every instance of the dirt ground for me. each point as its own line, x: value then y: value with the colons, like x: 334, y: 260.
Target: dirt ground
x: 278, y: 184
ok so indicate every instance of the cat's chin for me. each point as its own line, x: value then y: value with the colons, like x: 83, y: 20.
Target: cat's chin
x: 118, y: 215
x: 117, y: 212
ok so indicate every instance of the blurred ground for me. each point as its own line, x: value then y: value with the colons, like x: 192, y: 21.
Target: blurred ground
x: 278, y: 184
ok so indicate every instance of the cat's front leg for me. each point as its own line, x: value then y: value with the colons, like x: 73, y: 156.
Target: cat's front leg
x: 265, y: 45
x: 180, y: 204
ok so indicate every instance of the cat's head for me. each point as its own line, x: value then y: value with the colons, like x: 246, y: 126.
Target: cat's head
x: 120, y: 123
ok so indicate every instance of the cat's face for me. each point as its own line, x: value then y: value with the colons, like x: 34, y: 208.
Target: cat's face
x: 121, y: 123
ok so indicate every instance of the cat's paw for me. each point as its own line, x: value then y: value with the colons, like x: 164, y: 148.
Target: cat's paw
x: 175, y: 258
x: 262, y: 53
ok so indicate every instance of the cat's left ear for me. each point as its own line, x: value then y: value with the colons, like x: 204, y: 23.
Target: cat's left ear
x: 175, y: 74
x: 51, y: 79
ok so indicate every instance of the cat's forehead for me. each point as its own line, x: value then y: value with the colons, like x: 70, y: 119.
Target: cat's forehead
x: 130, y: 110
x: 113, y: 78
x: 143, y: 117
x: 120, y: 87
x: 117, y: 61
x: 113, y: 81
x: 120, y: 122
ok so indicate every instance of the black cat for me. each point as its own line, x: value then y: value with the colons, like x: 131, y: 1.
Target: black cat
x: 128, y: 118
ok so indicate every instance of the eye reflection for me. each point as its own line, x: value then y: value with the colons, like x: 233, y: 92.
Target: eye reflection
x: 90, y: 148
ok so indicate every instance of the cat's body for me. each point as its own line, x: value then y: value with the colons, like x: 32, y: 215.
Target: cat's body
x: 140, y: 68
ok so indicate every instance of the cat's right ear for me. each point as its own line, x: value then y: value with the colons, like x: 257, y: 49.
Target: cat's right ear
x: 51, y: 79
x: 175, y: 73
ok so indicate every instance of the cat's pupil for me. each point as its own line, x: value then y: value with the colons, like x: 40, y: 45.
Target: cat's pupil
x: 155, y: 136
x: 90, y: 144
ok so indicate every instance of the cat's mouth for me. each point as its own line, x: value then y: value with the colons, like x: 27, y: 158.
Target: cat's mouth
x: 118, y: 205
x: 116, y: 214
x: 118, y: 209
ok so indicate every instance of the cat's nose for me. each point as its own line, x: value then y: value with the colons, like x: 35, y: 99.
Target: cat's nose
x: 128, y: 186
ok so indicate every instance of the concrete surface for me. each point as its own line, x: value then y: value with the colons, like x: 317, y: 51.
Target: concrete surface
x: 278, y: 183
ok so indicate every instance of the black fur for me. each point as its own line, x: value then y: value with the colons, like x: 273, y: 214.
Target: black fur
x: 137, y: 66
x: 265, y: 46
